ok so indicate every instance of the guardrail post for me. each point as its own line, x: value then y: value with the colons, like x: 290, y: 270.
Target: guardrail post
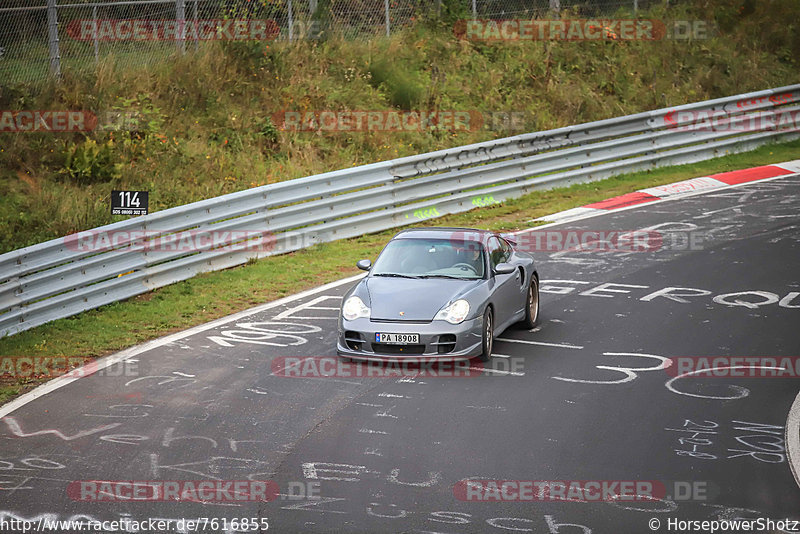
x: 180, y: 18
x: 314, y: 28
x: 291, y: 21
x: 194, y: 18
x: 386, y: 8
x: 52, y: 38
x: 94, y: 36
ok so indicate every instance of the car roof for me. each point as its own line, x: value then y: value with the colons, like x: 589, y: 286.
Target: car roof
x: 445, y: 232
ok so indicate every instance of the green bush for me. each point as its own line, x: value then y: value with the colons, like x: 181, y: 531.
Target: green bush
x: 90, y: 162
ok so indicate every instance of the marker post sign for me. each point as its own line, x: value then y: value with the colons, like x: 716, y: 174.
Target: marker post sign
x: 129, y: 202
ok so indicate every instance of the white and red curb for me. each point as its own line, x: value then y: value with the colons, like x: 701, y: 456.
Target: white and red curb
x: 674, y: 190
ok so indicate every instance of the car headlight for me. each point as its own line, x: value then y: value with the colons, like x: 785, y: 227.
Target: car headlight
x: 454, y: 313
x: 354, y: 308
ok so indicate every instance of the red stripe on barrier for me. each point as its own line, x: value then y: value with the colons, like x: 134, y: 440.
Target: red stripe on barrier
x: 750, y: 175
x: 623, y: 201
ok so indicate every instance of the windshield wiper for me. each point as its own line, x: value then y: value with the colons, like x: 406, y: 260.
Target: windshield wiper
x: 446, y: 276
x: 396, y: 275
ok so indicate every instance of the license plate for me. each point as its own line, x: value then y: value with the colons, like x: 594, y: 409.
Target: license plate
x: 397, y: 339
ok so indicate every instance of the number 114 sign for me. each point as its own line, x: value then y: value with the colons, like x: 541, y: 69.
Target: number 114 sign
x: 129, y: 202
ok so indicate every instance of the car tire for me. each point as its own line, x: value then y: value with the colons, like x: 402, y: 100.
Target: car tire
x: 531, y: 304
x: 487, y: 337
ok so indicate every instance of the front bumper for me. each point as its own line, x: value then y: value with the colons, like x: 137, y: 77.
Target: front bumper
x: 438, y: 340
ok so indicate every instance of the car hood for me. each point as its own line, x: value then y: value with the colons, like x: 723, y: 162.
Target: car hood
x: 419, y: 300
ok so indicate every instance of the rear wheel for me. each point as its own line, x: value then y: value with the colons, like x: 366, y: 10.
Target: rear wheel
x: 532, y: 304
x: 487, y: 337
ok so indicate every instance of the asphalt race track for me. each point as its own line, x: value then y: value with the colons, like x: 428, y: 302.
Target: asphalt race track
x: 586, y: 396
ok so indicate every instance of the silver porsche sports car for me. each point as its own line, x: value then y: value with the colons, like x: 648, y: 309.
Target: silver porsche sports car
x: 438, y: 293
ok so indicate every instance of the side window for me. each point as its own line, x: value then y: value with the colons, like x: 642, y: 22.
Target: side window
x: 506, y: 249
x: 495, y: 251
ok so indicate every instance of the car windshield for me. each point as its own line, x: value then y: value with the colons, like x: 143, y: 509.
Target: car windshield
x: 431, y: 258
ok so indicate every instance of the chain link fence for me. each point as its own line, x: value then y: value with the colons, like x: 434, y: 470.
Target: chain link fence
x: 40, y: 39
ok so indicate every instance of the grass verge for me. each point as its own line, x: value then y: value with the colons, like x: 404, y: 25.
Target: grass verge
x: 196, y: 301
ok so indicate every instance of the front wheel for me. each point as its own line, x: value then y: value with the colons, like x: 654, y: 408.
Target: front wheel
x: 532, y: 304
x: 487, y: 337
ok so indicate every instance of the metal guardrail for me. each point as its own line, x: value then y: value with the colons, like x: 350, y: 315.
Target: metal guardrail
x: 60, y: 278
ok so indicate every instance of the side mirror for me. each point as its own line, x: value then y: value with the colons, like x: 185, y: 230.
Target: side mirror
x: 504, y: 268
x: 364, y: 265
